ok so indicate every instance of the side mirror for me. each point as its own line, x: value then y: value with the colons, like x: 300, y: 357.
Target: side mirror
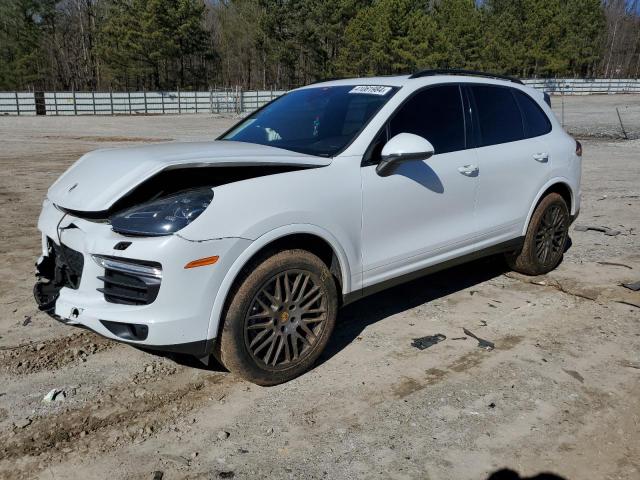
x: 403, y: 147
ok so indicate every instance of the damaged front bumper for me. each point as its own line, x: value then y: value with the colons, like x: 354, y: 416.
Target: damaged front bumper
x: 130, y: 289
x: 58, y: 267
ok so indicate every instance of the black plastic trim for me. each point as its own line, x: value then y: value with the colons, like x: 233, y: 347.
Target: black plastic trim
x: 476, y: 138
x: 473, y: 133
x: 198, y: 349
x: 128, y: 298
x: 572, y: 218
x: 129, y: 288
x: 120, y: 283
x: 508, y: 246
x: 101, y: 216
x: 127, y: 331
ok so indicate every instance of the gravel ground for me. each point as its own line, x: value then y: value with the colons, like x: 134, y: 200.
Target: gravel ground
x: 596, y: 116
x: 559, y: 393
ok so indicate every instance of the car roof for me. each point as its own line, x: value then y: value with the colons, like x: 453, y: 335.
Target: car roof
x: 416, y: 81
x: 390, y: 81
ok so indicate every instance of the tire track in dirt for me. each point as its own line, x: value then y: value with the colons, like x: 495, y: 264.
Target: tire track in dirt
x: 131, y: 415
x: 52, y: 354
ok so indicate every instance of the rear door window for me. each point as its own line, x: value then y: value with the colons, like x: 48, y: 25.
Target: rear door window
x: 435, y: 114
x: 536, y: 122
x: 498, y: 115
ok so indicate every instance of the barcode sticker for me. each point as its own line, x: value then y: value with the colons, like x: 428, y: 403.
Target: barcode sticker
x: 371, y: 90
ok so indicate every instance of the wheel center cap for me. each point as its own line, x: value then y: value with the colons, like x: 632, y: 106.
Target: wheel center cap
x: 284, y: 317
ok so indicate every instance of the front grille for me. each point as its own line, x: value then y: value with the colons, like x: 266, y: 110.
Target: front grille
x: 124, y: 285
x: 68, y: 265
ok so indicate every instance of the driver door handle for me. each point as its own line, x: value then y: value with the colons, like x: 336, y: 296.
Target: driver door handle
x: 541, y: 157
x: 469, y: 170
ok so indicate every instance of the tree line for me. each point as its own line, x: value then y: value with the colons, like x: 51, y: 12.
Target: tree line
x: 201, y: 44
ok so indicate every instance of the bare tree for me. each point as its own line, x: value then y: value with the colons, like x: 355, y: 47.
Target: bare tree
x: 621, y: 55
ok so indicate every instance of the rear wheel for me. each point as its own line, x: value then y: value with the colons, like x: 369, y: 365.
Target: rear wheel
x: 279, y: 319
x: 545, y: 240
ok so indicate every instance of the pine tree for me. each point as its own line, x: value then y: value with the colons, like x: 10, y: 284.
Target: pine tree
x: 164, y: 44
x: 390, y: 36
x: 21, y: 36
x: 143, y: 41
x: 458, y: 40
x: 583, y: 40
x: 502, y: 24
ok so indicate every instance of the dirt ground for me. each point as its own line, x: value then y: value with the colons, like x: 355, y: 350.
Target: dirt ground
x: 600, y: 116
x: 560, y: 392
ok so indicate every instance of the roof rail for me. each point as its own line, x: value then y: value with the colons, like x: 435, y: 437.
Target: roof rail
x: 471, y: 73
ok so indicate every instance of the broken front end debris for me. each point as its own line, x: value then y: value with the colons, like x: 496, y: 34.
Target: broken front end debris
x: 61, y: 267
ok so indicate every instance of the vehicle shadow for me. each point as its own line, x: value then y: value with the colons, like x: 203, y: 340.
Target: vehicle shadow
x: 422, y: 173
x: 354, y: 318
x: 507, y: 474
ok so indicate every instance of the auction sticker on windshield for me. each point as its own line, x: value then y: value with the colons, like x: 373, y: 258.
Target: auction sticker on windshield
x: 371, y: 90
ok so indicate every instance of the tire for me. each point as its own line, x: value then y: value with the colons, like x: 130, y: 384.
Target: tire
x: 279, y: 318
x: 546, y: 237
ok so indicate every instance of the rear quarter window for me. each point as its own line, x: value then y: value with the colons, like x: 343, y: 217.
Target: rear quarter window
x: 536, y: 122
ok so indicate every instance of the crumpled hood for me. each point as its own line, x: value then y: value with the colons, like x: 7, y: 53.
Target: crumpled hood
x: 99, y: 178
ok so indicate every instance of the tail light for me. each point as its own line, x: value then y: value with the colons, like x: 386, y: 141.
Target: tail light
x: 578, y: 148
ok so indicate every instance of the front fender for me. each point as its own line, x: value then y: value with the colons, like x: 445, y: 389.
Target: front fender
x: 263, y: 241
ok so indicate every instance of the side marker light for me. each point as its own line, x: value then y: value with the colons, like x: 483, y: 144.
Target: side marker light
x: 202, y: 262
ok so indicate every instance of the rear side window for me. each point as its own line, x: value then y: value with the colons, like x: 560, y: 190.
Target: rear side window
x: 435, y: 114
x: 536, y: 122
x: 498, y: 115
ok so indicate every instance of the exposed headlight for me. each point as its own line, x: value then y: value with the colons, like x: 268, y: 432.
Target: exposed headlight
x: 163, y: 216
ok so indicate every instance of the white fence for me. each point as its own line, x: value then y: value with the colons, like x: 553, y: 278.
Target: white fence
x: 230, y: 100
x: 132, y: 103
x: 584, y: 86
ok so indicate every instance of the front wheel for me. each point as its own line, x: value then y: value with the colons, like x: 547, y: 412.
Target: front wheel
x: 279, y: 319
x: 545, y: 240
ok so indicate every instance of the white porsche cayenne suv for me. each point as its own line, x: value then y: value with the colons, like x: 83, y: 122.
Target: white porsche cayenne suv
x: 246, y: 246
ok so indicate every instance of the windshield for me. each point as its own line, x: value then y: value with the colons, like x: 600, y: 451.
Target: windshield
x: 317, y: 121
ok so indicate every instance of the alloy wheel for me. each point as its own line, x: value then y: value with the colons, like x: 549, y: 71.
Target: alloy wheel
x: 551, y: 235
x: 285, y: 319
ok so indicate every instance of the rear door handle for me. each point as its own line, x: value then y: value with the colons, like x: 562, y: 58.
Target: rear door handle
x: 541, y: 157
x: 469, y: 170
